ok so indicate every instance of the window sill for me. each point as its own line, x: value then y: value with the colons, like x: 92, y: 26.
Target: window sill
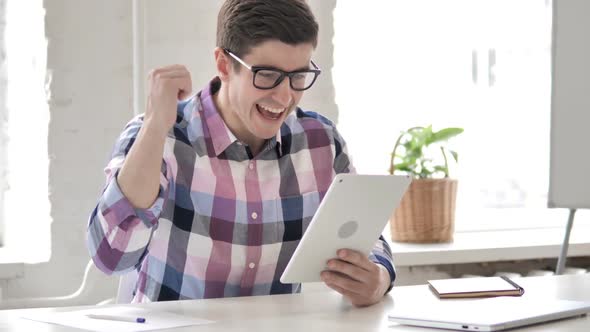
x: 10, y: 267
x: 493, y: 245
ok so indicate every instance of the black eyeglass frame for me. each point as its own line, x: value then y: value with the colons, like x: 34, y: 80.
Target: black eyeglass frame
x: 255, y: 69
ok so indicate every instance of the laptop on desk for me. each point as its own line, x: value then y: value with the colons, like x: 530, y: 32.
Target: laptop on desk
x: 489, y: 314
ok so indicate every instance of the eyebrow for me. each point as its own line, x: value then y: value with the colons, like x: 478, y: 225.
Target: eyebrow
x: 308, y: 67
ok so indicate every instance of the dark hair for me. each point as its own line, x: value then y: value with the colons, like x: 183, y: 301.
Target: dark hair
x: 243, y: 24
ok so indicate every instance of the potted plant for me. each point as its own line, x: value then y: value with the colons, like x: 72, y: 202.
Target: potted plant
x: 427, y: 211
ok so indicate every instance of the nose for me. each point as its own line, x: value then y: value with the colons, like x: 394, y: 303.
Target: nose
x: 282, y: 92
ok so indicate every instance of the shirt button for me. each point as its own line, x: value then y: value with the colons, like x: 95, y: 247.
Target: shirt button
x: 254, y: 215
x: 251, y: 265
x: 251, y: 165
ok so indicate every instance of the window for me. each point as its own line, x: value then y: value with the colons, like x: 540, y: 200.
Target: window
x: 25, y: 217
x: 483, y: 65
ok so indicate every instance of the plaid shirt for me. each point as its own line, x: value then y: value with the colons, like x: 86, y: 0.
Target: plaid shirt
x: 225, y: 223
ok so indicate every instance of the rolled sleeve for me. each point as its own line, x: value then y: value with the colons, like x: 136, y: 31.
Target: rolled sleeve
x: 117, y: 209
x: 381, y: 254
x: 118, y: 234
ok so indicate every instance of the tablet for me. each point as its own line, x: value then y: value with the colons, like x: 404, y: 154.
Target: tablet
x: 352, y: 215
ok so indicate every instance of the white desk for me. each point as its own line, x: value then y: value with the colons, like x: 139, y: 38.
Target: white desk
x: 324, y: 311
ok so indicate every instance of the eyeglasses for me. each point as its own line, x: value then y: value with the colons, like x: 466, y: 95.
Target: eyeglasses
x: 267, y: 78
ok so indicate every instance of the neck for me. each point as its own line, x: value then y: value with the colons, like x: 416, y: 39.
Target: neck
x: 234, y: 123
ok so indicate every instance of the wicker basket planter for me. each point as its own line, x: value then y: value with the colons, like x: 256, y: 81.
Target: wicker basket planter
x: 426, y: 213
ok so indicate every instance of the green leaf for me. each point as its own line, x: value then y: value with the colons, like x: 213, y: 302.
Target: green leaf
x: 446, y: 134
x: 412, y: 155
x: 428, y: 135
x: 455, y: 155
x: 439, y: 168
x: 402, y: 166
x: 425, y: 171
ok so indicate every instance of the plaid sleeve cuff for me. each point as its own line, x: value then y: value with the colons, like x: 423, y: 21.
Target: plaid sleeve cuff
x: 120, y: 208
x: 382, y: 255
x: 387, y: 264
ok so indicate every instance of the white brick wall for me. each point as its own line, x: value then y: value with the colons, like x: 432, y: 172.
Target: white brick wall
x: 320, y: 98
x: 90, y: 60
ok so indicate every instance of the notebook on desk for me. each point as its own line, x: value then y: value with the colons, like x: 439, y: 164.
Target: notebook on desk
x: 475, y: 287
x: 489, y: 314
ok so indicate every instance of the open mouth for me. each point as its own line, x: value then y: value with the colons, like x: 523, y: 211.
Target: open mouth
x: 270, y: 112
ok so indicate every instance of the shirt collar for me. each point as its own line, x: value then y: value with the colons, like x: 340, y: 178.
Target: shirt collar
x: 220, y: 134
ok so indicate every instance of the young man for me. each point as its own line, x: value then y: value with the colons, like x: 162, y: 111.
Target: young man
x: 209, y: 197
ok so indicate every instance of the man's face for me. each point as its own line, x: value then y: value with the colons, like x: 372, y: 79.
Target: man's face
x: 257, y: 114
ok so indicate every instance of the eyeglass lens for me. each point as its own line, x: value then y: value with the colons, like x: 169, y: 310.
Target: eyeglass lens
x: 267, y: 78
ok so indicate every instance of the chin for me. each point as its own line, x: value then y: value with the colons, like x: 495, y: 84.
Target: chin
x: 267, y: 134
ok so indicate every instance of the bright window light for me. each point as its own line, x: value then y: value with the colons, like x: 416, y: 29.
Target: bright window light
x: 27, y: 218
x: 483, y: 65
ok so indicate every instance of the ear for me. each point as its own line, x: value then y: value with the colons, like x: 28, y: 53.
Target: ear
x: 223, y: 64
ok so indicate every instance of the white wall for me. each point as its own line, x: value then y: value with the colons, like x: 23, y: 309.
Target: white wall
x: 182, y: 33
x: 91, y: 60
x: 3, y: 110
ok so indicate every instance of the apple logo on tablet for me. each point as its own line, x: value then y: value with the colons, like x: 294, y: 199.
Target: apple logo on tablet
x: 347, y: 229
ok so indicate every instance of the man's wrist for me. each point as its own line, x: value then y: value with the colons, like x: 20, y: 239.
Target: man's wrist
x: 154, y: 128
x: 386, y: 279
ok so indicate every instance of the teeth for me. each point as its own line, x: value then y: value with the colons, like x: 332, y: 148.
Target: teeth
x: 272, y: 110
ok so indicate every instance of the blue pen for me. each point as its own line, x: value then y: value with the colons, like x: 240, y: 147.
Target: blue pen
x: 118, y: 318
